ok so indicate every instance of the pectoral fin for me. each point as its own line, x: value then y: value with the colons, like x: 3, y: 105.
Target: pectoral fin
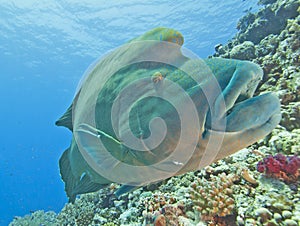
x: 124, y: 189
x: 75, y: 185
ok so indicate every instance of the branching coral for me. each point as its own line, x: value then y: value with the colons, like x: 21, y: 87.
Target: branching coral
x: 170, y: 215
x: 157, y: 201
x: 213, y: 198
x: 280, y: 166
x: 161, y: 210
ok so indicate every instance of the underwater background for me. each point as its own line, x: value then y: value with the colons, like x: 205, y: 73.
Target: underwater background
x: 47, y: 45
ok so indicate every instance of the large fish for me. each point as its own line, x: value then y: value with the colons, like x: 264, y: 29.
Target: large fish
x: 151, y: 109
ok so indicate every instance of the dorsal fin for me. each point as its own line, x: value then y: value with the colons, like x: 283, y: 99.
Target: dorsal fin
x: 66, y: 120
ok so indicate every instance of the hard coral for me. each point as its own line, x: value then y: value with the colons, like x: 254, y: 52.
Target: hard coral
x: 170, y: 215
x: 213, y: 198
x: 85, y: 218
x: 280, y: 166
x: 162, y: 209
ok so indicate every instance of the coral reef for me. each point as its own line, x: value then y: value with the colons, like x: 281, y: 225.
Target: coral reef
x: 267, y: 203
x: 37, y: 218
x: 272, y: 19
x: 243, y: 51
x: 94, y: 209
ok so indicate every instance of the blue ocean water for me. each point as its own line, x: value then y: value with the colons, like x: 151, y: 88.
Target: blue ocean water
x: 45, y: 47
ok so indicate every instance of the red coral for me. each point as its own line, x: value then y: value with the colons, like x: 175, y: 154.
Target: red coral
x: 280, y: 166
x: 281, y: 158
x: 261, y: 167
x: 293, y: 165
x: 272, y: 165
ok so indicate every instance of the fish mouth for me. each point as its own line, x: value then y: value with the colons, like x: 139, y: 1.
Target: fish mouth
x: 254, y: 112
x: 249, y: 114
x: 247, y: 122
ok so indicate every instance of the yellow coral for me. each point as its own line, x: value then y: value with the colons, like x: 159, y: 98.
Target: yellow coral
x: 213, y: 197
